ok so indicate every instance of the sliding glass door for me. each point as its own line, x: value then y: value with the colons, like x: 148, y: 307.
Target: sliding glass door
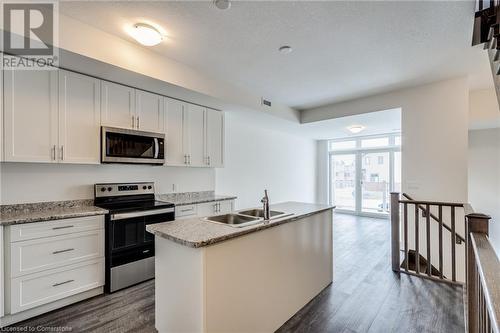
x: 343, y: 175
x: 363, y: 172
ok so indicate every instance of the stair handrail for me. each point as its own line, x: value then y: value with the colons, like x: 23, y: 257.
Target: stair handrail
x: 483, y: 277
x: 434, y: 217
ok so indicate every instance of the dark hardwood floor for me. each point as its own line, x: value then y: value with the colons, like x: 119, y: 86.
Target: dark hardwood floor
x: 366, y: 296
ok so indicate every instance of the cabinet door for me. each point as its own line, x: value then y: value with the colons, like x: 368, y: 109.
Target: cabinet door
x: 174, y: 126
x: 117, y: 105
x: 30, y: 100
x: 207, y: 209
x: 214, y: 124
x: 195, y: 135
x: 149, y: 111
x: 79, y: 118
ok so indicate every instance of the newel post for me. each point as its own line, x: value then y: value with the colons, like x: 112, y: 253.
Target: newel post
x: 395, y: 235
x: 477, y: 223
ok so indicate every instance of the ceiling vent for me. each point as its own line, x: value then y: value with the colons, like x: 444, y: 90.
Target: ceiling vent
x: 265, y: 102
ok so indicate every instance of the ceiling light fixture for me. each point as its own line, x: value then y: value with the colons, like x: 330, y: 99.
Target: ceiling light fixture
x: 146, y: 34
x: 222, y: 4
x: 285, y: 49
x: 355, y: 129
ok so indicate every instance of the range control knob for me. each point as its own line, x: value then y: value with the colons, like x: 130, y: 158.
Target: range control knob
x: 144, y: 187
x: 103, y: 189
x: 150, y: 187
x: 110, y: 189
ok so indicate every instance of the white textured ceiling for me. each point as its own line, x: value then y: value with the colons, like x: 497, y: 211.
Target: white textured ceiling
x: 342, y: 49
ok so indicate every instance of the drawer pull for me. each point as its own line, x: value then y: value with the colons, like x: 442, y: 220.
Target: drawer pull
x: 64, y: 227
x: 187, y: 210
x: 61, y: 283
x: 62, y: 251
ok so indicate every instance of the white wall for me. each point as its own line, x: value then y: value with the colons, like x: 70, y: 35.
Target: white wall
x: 484, y: 177
x: 259, y: 157
x: 34, y: 182
x: 483, y: 109
x: 434, y: 130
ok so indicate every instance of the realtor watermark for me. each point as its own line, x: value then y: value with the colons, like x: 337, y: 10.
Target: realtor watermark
x: 30, y: 29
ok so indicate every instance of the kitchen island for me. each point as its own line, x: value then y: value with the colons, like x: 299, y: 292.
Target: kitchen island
x: 212, y: 277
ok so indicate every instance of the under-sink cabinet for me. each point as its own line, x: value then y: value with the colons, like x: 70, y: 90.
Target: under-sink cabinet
x: 50, y: 261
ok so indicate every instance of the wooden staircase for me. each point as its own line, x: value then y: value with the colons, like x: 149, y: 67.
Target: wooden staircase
x: 412, y: 264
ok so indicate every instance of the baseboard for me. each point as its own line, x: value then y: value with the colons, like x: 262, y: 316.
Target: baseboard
x: 17, y: 317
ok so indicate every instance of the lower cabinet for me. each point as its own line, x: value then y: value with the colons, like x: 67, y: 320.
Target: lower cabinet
x: 204, y: 209
x: 51, y: 261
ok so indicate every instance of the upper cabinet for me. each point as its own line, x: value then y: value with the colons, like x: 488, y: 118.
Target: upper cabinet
x: 149, y: 111
x: 195, y: 135
x: 79, y: 118
x: 30, y: 114
x: 214, y: 138
x: 126, y: 107
x: 51, y: 116
x: 118, y: 105
x: 174, y: 128
x: 54, y: 116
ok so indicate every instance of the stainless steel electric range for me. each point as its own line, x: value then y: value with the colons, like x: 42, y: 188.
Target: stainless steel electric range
x: 129, y: 247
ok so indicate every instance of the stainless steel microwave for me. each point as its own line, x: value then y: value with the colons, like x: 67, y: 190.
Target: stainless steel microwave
x: 120, y: 145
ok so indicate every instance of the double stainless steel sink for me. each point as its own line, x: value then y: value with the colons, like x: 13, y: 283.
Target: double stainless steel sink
x: 245, y: 217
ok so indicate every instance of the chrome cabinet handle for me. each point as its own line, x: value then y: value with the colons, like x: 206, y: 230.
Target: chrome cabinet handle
x: 185, y: 159
x: 62, y: 251
x: 133, y: 122
x: 61, y: 283
x: 64, y: 227
x: 138, y: 123
x: 189, y: 159
x: 209, y: 160
x: 186, y: 210
x: 54, y: 152
x: 62, y: 153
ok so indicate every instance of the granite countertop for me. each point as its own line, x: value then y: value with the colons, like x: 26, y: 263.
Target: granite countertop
x: 47, y: 211
x: 196, y: 232
x: 191, y: 198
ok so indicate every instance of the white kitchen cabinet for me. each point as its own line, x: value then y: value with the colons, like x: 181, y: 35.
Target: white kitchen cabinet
x: 214, y: 138
x: 118, y: 105
x: 194, y: 135
x: 30, y: 114
x: 213, y: 208
x: 174, y: 126
x: 79, y: 118
x: 149, y: 111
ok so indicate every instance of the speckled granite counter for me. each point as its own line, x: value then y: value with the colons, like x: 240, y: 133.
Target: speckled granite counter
x: 46, y: 211
x: 197, y: 232
x: 191, y: 198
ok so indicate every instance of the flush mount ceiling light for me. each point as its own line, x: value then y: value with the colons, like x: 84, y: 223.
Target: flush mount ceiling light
x: 222, y: 4
x: 355, y: 129
x: 285, y: 49
x: 146, y: 34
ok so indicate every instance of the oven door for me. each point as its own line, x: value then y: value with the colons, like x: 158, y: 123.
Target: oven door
x: 121, y: 145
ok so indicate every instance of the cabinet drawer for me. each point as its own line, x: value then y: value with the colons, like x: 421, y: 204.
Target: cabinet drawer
x: 41, y: 288
x: 54, y: 228
x: 185, y: 210
x: 46, y: 253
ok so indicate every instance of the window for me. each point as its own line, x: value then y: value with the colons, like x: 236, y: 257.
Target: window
x: 380, y: 160
x: 376, y: 142
x: 339, y: 145
x: 367, y: 160
x: 397, y: 140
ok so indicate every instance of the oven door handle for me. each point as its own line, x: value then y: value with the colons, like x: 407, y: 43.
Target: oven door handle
x: 121, y: 216
x: 157, y: 147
